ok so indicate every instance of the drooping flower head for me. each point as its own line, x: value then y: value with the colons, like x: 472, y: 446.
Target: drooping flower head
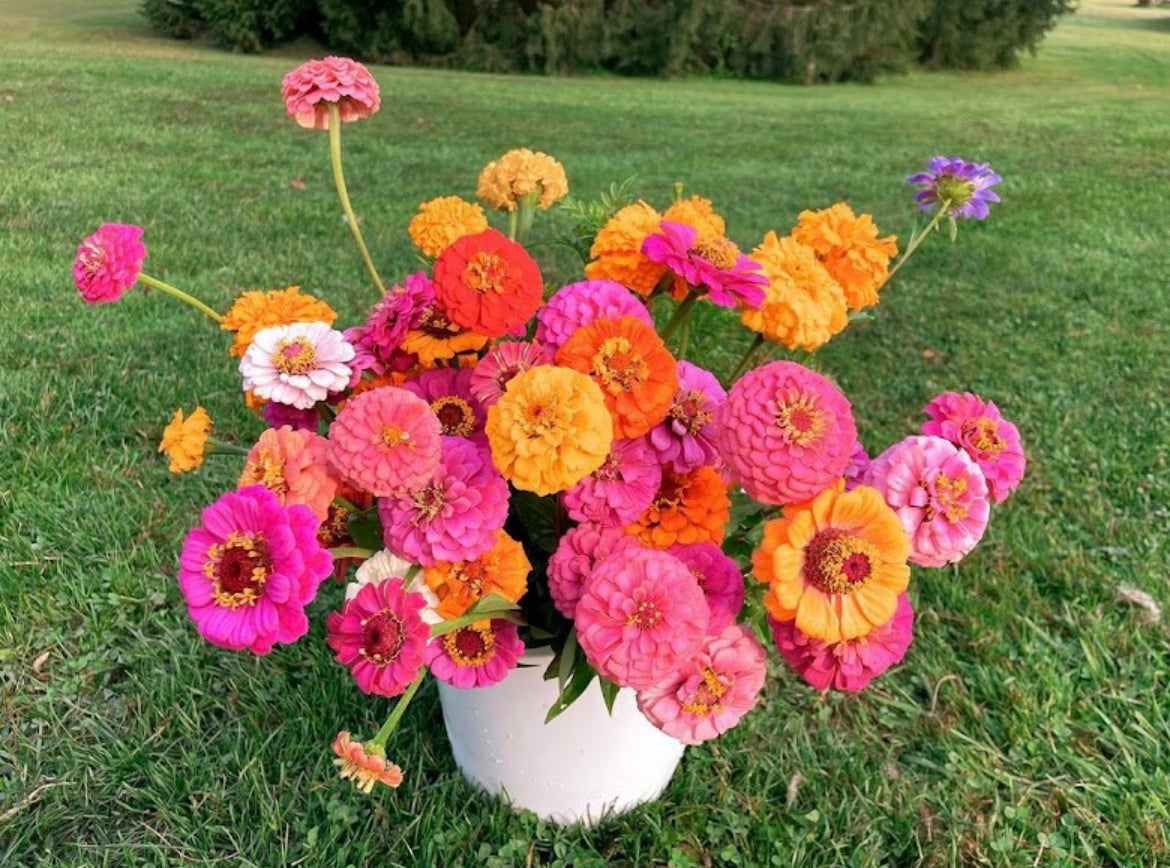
x: 964, y: 188
x: 438, y: 339
x: 848, y: 665
x: 441, y: 222
x: 500, y: 364
x: 579, y: 551
x: 392, y: 316
x: 836, y: 563
x: 642, y: 615
x: 478, y: 655
x: 256, y: 310
x: 381, y: 636
x: 976, y: 426
x: 520, y: 173
x: 365, y: 765
x: 184, y: 440
x: 550, y: 430
x: 448, y: 391
x: 298, y: 364
x: 503, y: 569
x: 581, y: 304
x: 293, y: 465
x: 619, y: 490
x: 487, y: 283
x: 710, y: 693
x: 939, y: 494
x: 687, y: 508
x: 108, y: 262
x: 686, y: 439
x: 312, y: 87
x: 385, y: 441
x: 249, y: 568
x: 803, y: 306
x: 719, y: 577
x: 636, y: 372
x: 849, y: 248
x: 785, y: 432
x: 715, y: 265
x: 617, y: 250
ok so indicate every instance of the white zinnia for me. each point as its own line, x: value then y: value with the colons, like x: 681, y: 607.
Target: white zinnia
x: 385, y: 565
x: 297, y: 364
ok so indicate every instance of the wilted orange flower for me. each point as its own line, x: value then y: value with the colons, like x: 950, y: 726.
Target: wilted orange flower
x: 850, y: 249
x: 364, y: 764
x: 502, y: 570
x: 688, y: 508
x: 442, y: 221
x: 255, y: 310
x: 519, y: 173
x: 437, y: 338
x: 185, y: 440
x: 617, y: 250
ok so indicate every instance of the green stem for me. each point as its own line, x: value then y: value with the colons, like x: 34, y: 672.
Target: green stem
x: 343, y: 194
x: 219, y: 447
x: 153, y: 283
x: 743, y: 363
x: 513, y: 222
x: 684, y: 338
x: 350, y: 552
x: 400, y: 708
x: 916, y: 239
x: 527, y: 211
x: 681, y: 313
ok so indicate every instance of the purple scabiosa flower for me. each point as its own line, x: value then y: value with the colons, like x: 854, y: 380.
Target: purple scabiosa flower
x: 964, y: 187
x: 582, y: 303
x: 720, y: 578
x: 499, y: 365
x: 685, y: 439
x: 618, y: 491
x: 729, y: 277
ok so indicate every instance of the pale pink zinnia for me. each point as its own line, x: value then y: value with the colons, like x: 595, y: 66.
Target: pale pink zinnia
x: 448, y: 391
x: 579, y: 551
x: 849, y: 665
x: 580, y: 304
x: 710, y: 693
x: 641, y: 617
x: 717, y: 266
x: 477, y: 655
x: 786, y: 433
x: 618, y: 491
x: 500, y: 364
x: 685, y: 439
x: 297, y: 364
x: 720, y: 578
x: 977, y: 427
x: 313, y: 86
x: 381, y: 636
x: 108, y: 262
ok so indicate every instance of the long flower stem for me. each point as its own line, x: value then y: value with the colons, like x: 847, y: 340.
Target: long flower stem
x: 743, y: 363
x: 350, y: 552
x: 153, y: 283
x: 220, y: 447
x: 400, y: 708
x: 916, y: 239
x: 343, y: 194
x: 681, y: 314
x: 513, y: 223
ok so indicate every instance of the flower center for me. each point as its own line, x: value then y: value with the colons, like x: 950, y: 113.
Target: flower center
x: 455, y: 415
x: 618, y: 366
x: 800, y: 420
x: 720, y: 252
x: 948, y: 498
x: 471, y: 645
x: 473, y: 576
x: 93, y: 258
x: 334, y: 530
x: 267, y: 470
x: 541, y: 419
x: 706, y: 698
x: 837, y: 562
x: 670, y: 493
x: 983, y: 436
x: 428, y: 502
x: 434, y: 324
x: 485, y: 272
x: 393, y: 436
x: 238, y: 569
x: 951, y: 188
x: 688, y: 411
x: 294, y: 357
x: 609, y: 469
x: 645, y: 616
x: 382, y: 637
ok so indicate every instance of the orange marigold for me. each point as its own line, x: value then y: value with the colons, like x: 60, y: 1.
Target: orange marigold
x: 502, y: 570
x: 850, y: 249
x: 688, y: 508
x: 258, y: 309
x: 438, y: 339
x: 519, y: 173
x: 184, y: 440
x: 617, y: 250
x: 442, y: 221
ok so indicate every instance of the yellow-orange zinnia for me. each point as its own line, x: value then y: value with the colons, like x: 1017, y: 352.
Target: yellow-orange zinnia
x: 617, y: 250
x: 502, y: 570
x: 256, y: 309
x: 442, y: 221
x: 522, y: 172
x: 184, y: 440
x: 438, y: 339
x: 849, y: 247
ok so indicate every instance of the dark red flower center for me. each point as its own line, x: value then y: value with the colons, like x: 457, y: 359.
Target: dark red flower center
x: 382, y: 637
x: 238, y: 569
x: 455, y: 415
x: 838, y: 562
x: 472, y: 645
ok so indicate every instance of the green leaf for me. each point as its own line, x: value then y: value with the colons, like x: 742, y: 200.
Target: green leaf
x: 568, y: 659
x: 366, y: 530
x: 492, y: 604
x: 543, y: 518
x: 609, y: 692
x: 582, y: 674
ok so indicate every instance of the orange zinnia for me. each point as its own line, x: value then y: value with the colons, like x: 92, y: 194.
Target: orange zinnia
x: 699, y: 214
x: 255, y: 310
x: 502, y: 570
x: 437, y: 338
x: 487, y: 283
x: 688, y: 508
x: 636, y: 372
x: 617, y: 250
x: 849, y: 247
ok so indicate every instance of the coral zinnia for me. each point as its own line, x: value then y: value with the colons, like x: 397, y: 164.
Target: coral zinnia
x: 448, y: 391
x: 185, y: 440
x: 579, y: 551
x: 849, y: 247
x: 520, y: 173
x: 437, y: 338
x: 309, y: 90
x: 836, y: 563
x: 687, y: 508
x: 500, y: 364
x: 442, y: 221
x: 550, y: 429
x: 487, y: 283
x: 685, y: 439
x: 710, y: 693
x: 108, y: 262
x: 964, y: 187
x: 477, y: 655
x: 719, y: 577
x: 619, y: 490
x: 364, y: 764
x: 785, y: 432
x: 293, y: 465
x: 381, y: 636
x: 580, y: 304
x: 714, y: 265
x: 256, y: 310
x: 977, y: 427
x: 249, y: 568
x: 636, y: 372
x: 803, y: 305
x: 503, y: 569
x: 617, y: 250
x: 298, y: 364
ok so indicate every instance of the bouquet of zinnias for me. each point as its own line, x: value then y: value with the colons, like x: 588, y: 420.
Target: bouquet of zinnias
x: 510, y: 470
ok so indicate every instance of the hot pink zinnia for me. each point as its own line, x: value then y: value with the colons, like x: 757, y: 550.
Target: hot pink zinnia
x: 500, y: 364
x: 580, y: 550
x: 249, y: 568
x: 448, y: 391
x: 855, y: 472
x: 685, y: 439
x: 729, y: 277
x: 785, y: 432
x: 397, y: 312
x: 454, y: 516
x: 385, y: 441
x: 619, y: 490
x: 719, y: 577
x: 940, y: 496
x: 381, y: 636
x: 108, y: 262
x: 580, y: 304
x: 477, y: 655
x: 976, y: 426
x: 641, y: 617
x: 310, y: 88
x: 279, y: 415
x: 711, y: 693
x: 849, y: 665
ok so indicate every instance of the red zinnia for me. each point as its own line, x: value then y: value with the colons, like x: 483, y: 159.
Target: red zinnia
x: 487, y: 283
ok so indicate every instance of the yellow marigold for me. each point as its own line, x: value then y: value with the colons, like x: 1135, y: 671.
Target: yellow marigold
x: 617, y: 250
x: 699, y: 214
x: 850, y: 249
x: 549, y: 430
x: 519, y: 173
x: 185, y: 440
x: 688, y: 508
x: 255, y: 310
x: 803, y: 306
x: 437, y: 339
x: 502, y: 570
x: 442, y: 221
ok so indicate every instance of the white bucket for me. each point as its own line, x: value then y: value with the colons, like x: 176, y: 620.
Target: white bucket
x: 583, y: 766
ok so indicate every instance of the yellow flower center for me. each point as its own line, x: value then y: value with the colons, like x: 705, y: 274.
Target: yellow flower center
x: 472, y: 645
x: 801, y: 420
x: 617, y: 366
x: 393, y: 436
x: 948, y: 498
x: 267, y: 470
x: 688, y: 411
x: 957, y: 191
x: 983, y: 435
x: 294, y: 357
x: 334, y: 529
x: 706, y: 698
x: 485, y: 272
x: 238, y: 569
x: 720, y: 252
x: 540, y: 419
x: 428, y: 502
x: 455, y: 415
x: 838, y: 562
x: 645, y: 616
x: 92, y: 258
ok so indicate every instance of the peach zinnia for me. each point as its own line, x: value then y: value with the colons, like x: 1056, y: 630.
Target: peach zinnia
x: 850, y: 249
x: 688, y: 508
x: 364, y: 764
x: 293, y: 465
x: 313, y: 86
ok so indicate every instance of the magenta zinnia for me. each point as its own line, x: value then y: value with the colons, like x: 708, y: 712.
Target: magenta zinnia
x: 977, y: 427
x: 108, y: 262
x: 719, y: 577
x: 619, y: 490
x: 477, y: 655
x: 715, y: 266
x: 448, y: 391
x: 500, y: 364
x: 397, y: 312
x: 580, y: 304
x: 685, y: 439
x: 381, y: 636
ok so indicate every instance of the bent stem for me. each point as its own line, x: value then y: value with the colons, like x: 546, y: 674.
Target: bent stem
x: 343, y: 194
x: 916, y: 239
x: 747, y: 357
x: 400, y: 708
x: 154, y: 283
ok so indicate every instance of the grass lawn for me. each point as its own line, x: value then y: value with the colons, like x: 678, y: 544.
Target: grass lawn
x: 1030, y: 722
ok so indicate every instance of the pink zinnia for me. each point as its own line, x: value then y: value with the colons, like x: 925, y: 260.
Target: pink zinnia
x: 785, y: 432
x: 381, y: 636
x: 249, y: 568
x: 454, y: 516
x: 685, y: 439
x: 297, y: 364
x: 309, y: 90
x: 855, y: 472
x: 976, y: 426
x: 719, y: 577
x: 279, y: 415
x: 729, y: 277
x: 849, y: 665
x: 580, y: 304
x: 500, y: 364
x: 448, y: 391
x: 619, y: 490
x: 641, y: 617
x: 477, y: 655
x: 108, y: 262
x: 397, y: 312
x: 939, y: 494
x: 580, y: 550
x: 710, y: 693
x: 385, y: 441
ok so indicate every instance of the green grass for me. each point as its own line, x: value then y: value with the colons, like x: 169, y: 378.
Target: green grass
x: 1030, y: 722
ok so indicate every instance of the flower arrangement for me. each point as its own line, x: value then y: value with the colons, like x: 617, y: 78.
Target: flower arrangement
x: 496, y: 464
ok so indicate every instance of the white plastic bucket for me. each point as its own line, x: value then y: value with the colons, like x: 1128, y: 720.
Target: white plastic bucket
x: 582, y: 767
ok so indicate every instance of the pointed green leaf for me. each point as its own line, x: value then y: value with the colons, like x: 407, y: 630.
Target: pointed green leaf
x: 609, y: 692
